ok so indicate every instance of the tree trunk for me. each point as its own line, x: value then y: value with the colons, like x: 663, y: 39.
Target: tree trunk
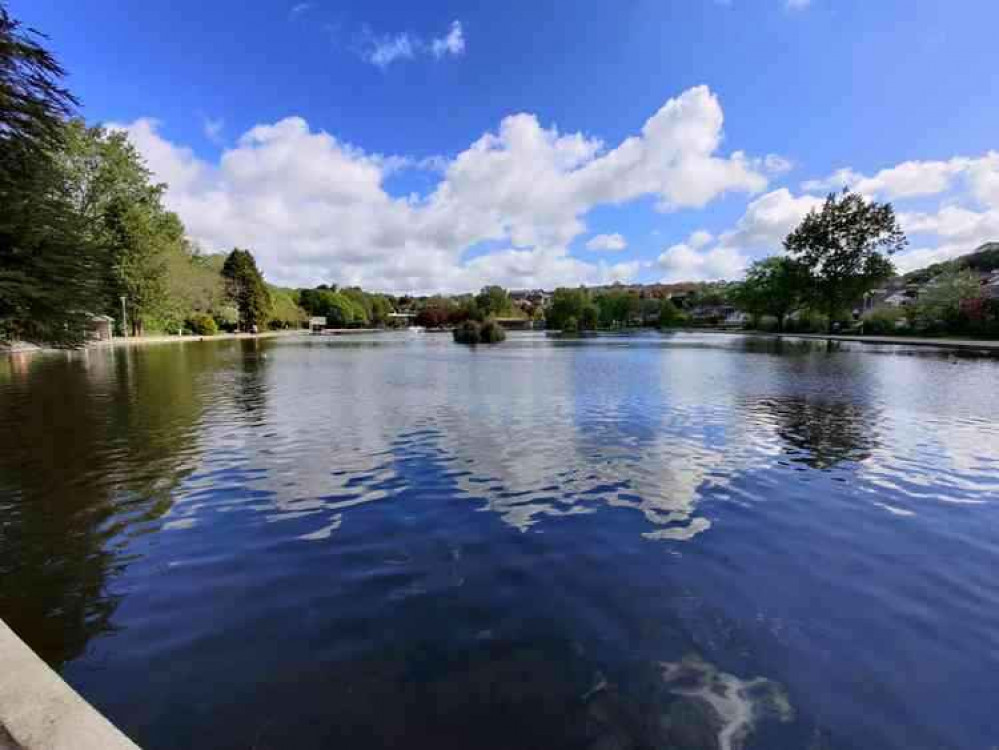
x: 780, y: 322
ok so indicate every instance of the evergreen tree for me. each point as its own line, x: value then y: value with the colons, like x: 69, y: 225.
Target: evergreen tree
x: 48, y: 270
x: 246, y: 288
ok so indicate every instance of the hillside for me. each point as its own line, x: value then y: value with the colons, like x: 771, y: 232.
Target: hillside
x: 984, y: 258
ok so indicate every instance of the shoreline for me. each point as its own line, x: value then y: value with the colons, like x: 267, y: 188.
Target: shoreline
x: 942, y: 343
x: 38, y: 709
x: 120, y: 341
x: 990, y: 345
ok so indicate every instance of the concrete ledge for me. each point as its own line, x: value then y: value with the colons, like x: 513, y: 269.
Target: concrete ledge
x: 38, y: 711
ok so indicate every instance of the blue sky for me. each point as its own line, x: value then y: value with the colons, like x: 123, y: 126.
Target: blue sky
x: 425, y: 146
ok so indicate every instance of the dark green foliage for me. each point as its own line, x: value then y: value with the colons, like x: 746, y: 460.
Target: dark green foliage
x: 346, y: 308
x: 589, y: 319
x: 846, y: 249
x: 246, y: 288
x: 566, y: 304
x: 617, y: 308
x: 491, y: 332
x: 491, y: 301
x: 467, y: 333
x: 669, y: 315
x: 472, y: 332
x: 48, y: 271
x: 202, y: 325
x: 776, y: 286
x: 33, y: 103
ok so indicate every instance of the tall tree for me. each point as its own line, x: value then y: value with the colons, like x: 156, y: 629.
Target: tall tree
x: 777, y: 286
x: 47, y: 269
x: 493, y: 301
x: 846, y: 248
x: 33, y: 102
x: 140, y: 239
x: 122, y: 213
x: 246, y: 288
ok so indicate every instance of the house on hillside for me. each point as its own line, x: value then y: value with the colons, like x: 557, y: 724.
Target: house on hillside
x: 990, y: 288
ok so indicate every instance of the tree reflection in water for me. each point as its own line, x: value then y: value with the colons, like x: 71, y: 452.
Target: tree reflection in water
x: 74, y: 488
x: 821, y: 434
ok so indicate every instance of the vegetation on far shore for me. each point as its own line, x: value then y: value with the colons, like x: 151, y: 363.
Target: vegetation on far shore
x: 85, y: 232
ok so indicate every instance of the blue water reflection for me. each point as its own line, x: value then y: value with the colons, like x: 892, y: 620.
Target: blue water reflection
x: 614, y: 542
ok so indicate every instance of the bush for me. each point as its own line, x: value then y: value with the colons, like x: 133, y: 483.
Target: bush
x: 202, y: 325
x: 571, y: 325
x: 491, y: 332
x: 883, y: 320
x: 768, y: 324
x: 472, y: 332
x: 468, y: 333
x: 810, y: 322
x: 669, y: 315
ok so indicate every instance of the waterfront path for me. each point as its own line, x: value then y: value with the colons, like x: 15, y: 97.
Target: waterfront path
x: 943, y: 343
x: 38, y: 711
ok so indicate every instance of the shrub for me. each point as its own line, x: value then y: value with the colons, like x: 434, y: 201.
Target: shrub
x: 883, y: 320
x: 472, y: 332
x: 571, y: 325
x: 809, y: 322
x: 669, y: 315
x: 202, y: 325
x: 491, y: 332
x: 468, y: 333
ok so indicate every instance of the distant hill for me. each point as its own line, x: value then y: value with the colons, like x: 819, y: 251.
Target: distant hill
x: 985, y: 258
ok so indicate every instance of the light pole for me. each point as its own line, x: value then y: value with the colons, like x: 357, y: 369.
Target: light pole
x: 124, y: 318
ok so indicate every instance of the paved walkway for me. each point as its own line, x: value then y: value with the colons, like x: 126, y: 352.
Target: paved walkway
x: 943, y: 343
x: 38, y: 711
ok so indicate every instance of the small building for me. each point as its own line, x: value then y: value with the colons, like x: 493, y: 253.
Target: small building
x: 990, y: 288
x: 317, y: 323
x: 101, y: 328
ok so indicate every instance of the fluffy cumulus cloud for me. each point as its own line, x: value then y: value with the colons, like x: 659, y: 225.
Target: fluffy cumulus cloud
x: 384, y: 49
x: 968, y: 215
x: 760, y: 231
x: 686, y: 262
x: 607, y: 243
x: 315, y: 209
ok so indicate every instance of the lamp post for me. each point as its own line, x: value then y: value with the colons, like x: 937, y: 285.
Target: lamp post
x: 124, y: 318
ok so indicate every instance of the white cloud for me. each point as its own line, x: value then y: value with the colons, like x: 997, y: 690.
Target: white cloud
x: 797, y: 4
x: 382, y: 50
x: 452, y: 44
x: 912, y: 179
x: 983, y: 177
x: 760, y: 231
x: 684, y: 263
x: 213, y: 129
x: 315, y: 209
x: 610, y: 243
x: 777, y: 164
x: 769, y: 219
x: 967, y: 217
x: 298, y: 9
x: 700, y: 238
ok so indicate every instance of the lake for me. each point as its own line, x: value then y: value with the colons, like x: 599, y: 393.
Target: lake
x: 647, y: 541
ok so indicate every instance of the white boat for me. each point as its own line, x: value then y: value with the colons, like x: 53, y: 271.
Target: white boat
x: 416, y: 329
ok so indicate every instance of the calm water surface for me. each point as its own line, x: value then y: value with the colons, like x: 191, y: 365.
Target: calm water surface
x: 393, y: 541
